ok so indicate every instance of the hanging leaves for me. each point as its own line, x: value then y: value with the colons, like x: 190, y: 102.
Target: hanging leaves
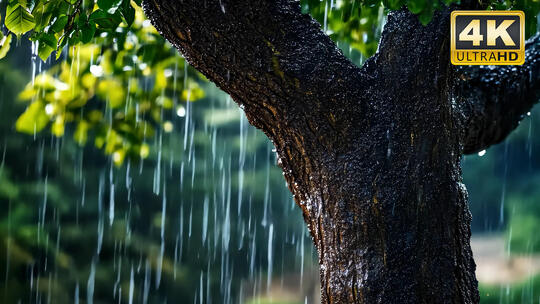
x: 95, y: 95
x: 18, y: 18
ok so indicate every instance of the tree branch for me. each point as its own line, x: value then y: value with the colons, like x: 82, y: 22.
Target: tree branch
x: 273, y: 60
x: 495, y: 99
x: 276, y: 63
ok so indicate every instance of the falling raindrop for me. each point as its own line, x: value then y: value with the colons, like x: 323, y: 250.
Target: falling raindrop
x: 90, y: 284
x: 503, y: 194
x: 270, y: 257
x: 146, y: 289
x: 76, y: 296
x: 131, y: 286
x: 205, y: 219
x: 111, y: 205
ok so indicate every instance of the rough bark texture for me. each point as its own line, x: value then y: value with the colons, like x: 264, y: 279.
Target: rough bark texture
x: 371, y: 154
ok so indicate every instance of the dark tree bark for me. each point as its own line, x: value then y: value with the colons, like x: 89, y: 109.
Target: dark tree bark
x: 371, y: 154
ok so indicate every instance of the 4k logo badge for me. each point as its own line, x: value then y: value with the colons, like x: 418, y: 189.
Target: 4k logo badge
x: 487, y: 37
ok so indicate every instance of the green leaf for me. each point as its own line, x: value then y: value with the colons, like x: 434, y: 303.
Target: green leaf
x: 105, y: 20
x: 128, y: 12
x: 75, y: 37
x: 43, y: 13
x: 148, y: 53
x: 393, y: 4
x: 87, y: 32
x: 110, y: 6
x: 33, y: 120
x: 60, y: 45
x: 416, y: 6
x: 59, y: 24
x: 5, y: 43
x: 46, y: 45
x: 426, y: 16
x: 18, y: 19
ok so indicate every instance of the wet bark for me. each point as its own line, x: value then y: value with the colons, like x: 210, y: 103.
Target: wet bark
x: 371, y: 154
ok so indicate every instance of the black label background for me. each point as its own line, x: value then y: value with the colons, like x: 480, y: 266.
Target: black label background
x: 513, y: 30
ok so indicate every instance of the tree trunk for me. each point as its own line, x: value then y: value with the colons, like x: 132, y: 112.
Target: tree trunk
x: 393, y: 226
x: 372, y: 154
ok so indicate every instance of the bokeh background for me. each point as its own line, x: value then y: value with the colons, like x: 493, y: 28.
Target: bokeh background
x: 206, y: 217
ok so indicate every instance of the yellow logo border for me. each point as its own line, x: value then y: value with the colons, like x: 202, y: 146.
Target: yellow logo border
x: 453, y: 51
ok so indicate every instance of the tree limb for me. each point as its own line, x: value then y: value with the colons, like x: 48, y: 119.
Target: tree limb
x: 371, y: 154
x: 495, y: 99
x: 273, y: 60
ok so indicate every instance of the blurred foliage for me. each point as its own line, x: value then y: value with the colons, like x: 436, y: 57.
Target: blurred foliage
x: 508, y: 196
x: 56, y: 226
x: 521, y: 236
x: 357, y: 24
x: 521, y: 293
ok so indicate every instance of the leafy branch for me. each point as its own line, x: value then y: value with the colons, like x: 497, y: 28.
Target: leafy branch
x: 69, y: 26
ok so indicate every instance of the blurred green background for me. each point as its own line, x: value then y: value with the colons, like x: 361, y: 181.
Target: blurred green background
x: 205, y: 217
